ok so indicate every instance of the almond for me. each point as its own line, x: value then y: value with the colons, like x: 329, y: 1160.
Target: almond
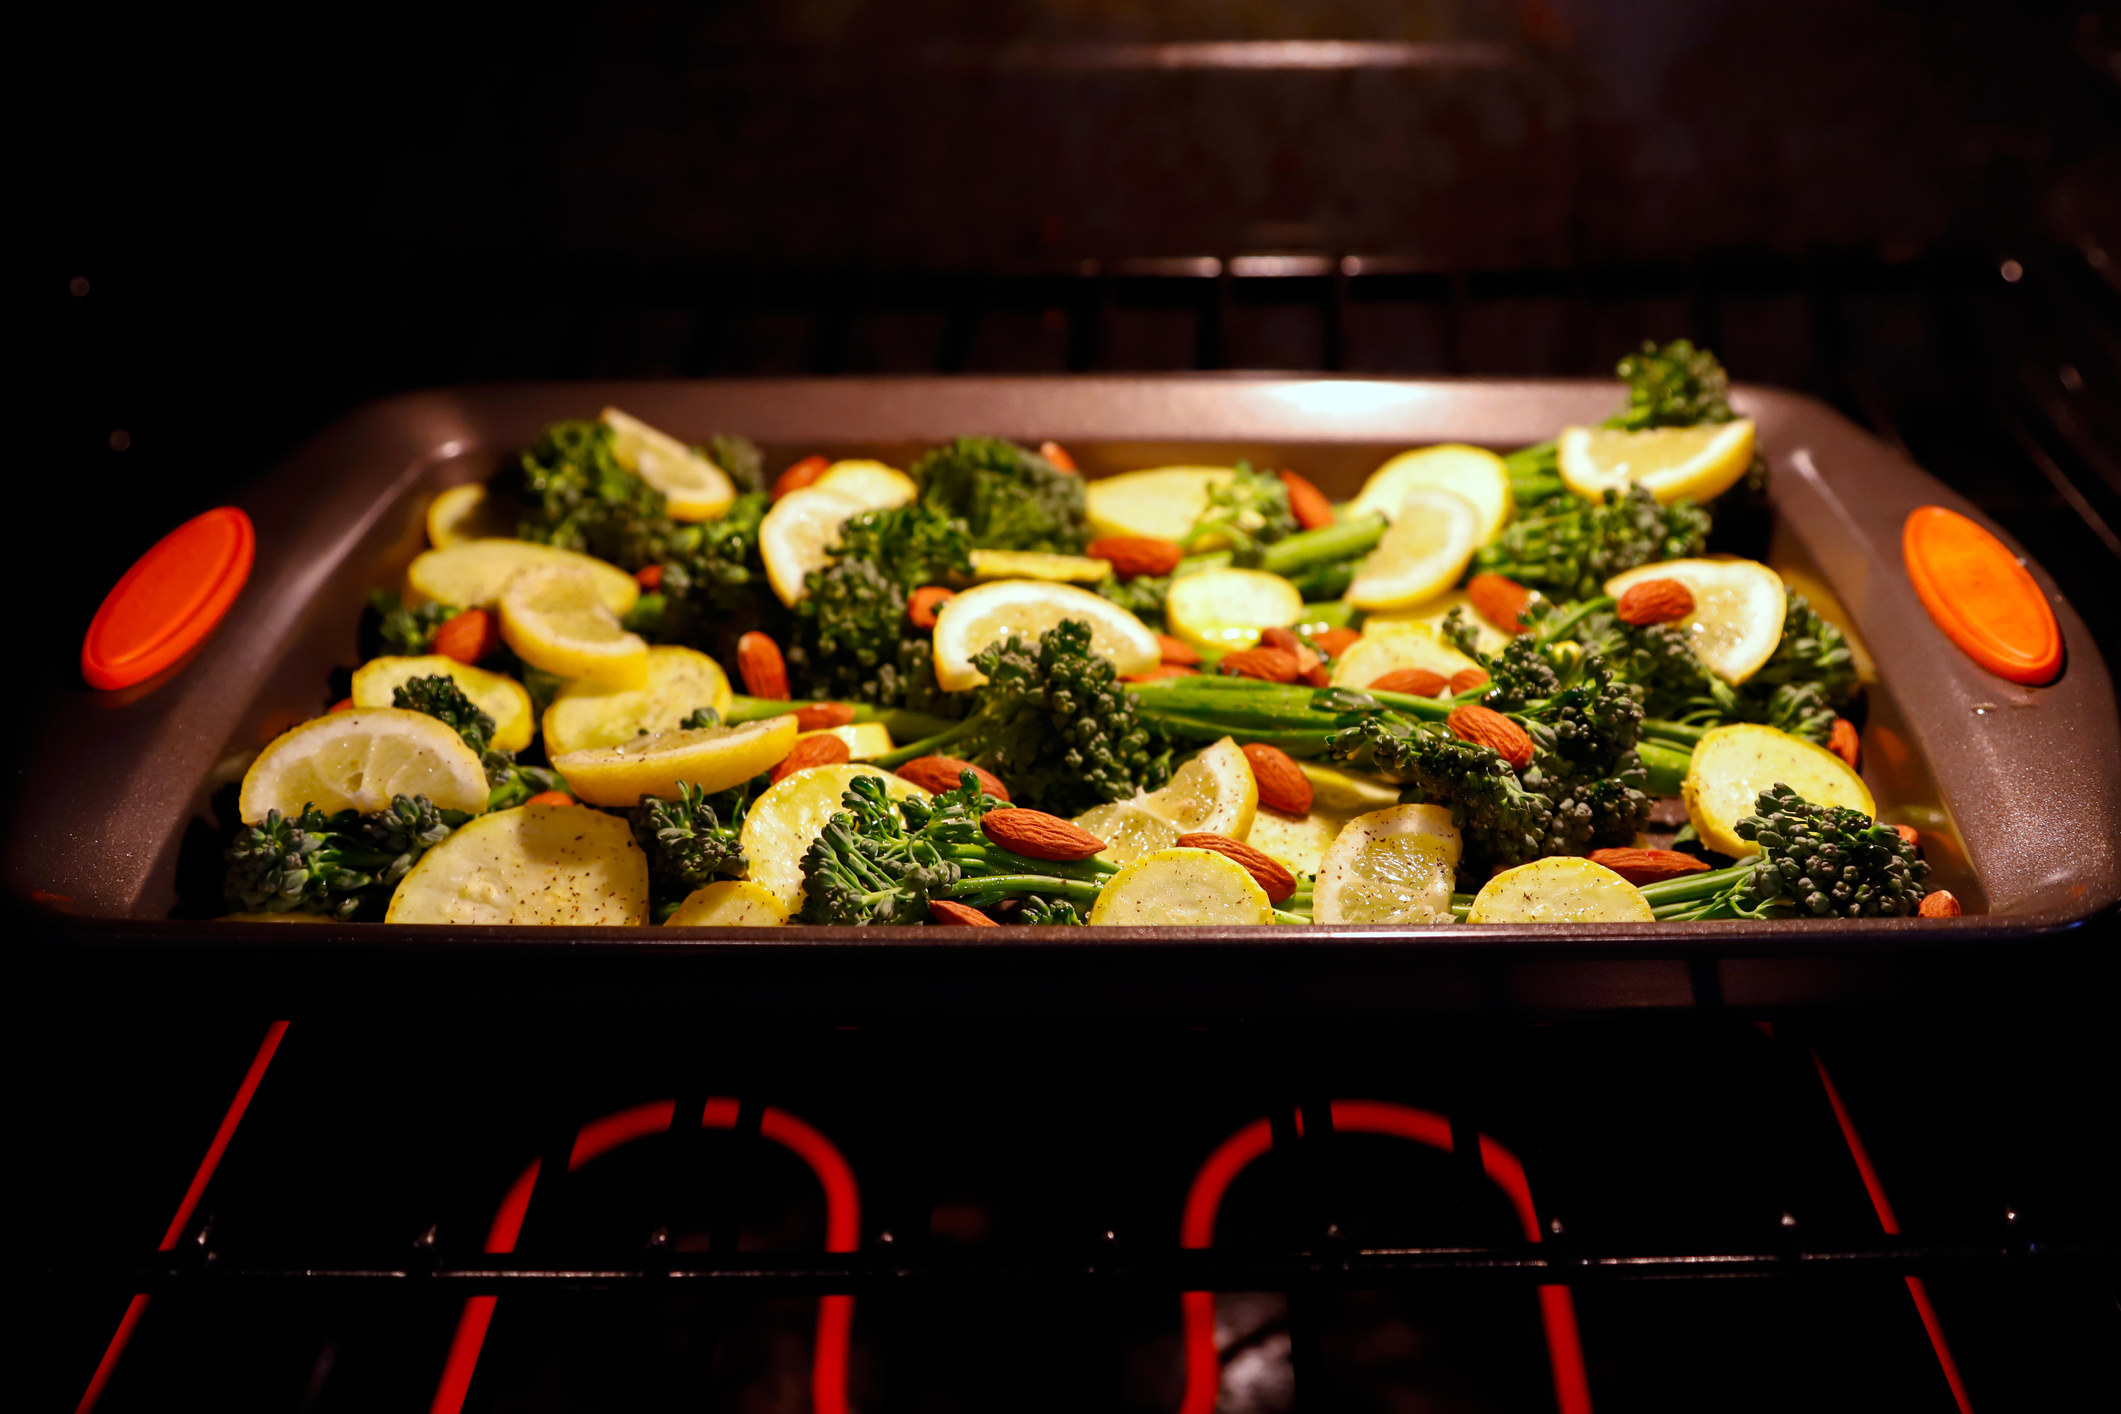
x: 1161, y: 670
x: 1499, y: 599
x: 1414, y: 682
x: 1036, y: 835
x: 1483, y: 726
x: 1466, y: 679
x: 1939, y: 903
x: 649, y: 577
x: 944, y: 910
x: 1315, y: 676
x: 818, y: 716
x: 1306, y: 502
x: 1266, y: 664
x: 760, y: 666
x: 1335, y: 641
x: 1844, y: 742
x: 1647, y: 866
x: 1176, y: 650
x: 796, y: 477
x: 936, y: 774
x: 1133, y: 556
x: 1270, y: 874
x: 1283, y: 785
x: 1057, y: 454
x: 1654, y: 601
x: 812, y: 751
x: 1288, y: 641
x: 925, y: 603
x: 1908, y: 836
x: 467, y: 637
x: 551, y: 797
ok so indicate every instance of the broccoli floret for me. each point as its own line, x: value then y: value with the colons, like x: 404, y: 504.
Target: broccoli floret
x: 1142, y: 596
x: 1248, y: 512
x: 740, y: 460
x: 1675, y: 386
x: 700, y: 718
x: 577, y: 496
x: 1815, y: 861
x: 1572, y: 552
x: 1009, y: 498
x: 691, y: 841
x: 912, y: 545
x: 408, y: 631
x: 852, y: 640
x: 509, y: 782
x: 342, y: 865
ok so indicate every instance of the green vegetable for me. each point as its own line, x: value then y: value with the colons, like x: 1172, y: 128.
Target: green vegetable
x: 1009, y: 498
x: 408, y: 631
x: 343, y: 865
x: 509, y: 781
x: 1250, y: 511
x: 1571, y: 551
x: 713, y: 579
x: 740, y: 460
x: 1815, y: 861
x: 1320, y: 563
x: 884, y: 858
x: 1054, y: 722
x: 1675, y: 386
x: 691, y: 841
x: 852, y: 639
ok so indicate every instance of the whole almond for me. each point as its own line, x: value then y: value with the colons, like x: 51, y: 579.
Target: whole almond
x: 1283, y: 786
x: 1306, y: 502
x: 467, y: 637
x: 1414, y: 682
x: 1908, y: 836
x: 1315, y: 675
x: 761, y: 668
x: 1483, y: 726
x: 1057, y: 454
x: 818, y: 716
x: 1161, y: 670
x: 796, y: 477
x: 812, y: 751
x: 1499, y: 599
x: 1270, y: 874
x: 1939, y: 903
x: 1466, y: 679
x: 944, y: 910
x: 1335, y: 641
x: 1647, y: 866
x: 1266, y: 664
x: 1654, y: 601
x: 1133, y: 556
x: 925, y: 603
x: 1844, y: 742
x: 1176, y: 650
x: 1288, y: 641
x: 936, y: 774
x: 649, y: 577
x: 1036, y: 835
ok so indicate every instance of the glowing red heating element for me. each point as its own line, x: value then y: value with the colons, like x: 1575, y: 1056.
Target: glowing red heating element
x: 843, y: 1226
x: 1557, y: 1311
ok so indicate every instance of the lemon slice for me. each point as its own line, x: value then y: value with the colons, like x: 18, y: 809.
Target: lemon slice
x: 474, y: 572
x: 1215, y: 793
x: 1672, y: 463
x: 1299, y: 842
x: 376, y: 681
x: 711, y: 758
x: 784, y: 820
x: 1488, y: 637
x: 1347, y: 792
x: 534, y: 864
x: 1387, y: 645
x: 1733, y: 764
x: 1389, y: 866
x: 1162, y: 504
x: 1738, y: 610
x: 1037, y: 564
x: 1422, y: 554
x: 680, y: 681
x: 1561, y: 889
x: 358, y: 760
x: 865, y: 740
x: 1026, y: 608
x: 1473, y: 472
x: 799, y: 535
x: 1128, y: 830
x: 1224, y: 609
x: 693, y: 487
x: 467, y: 513
x: 1182, y: 888
x: 729, y: 903
x: 871, y: 485
x: 554, y: 619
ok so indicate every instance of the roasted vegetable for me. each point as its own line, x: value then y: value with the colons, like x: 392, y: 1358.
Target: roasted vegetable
x: 1571, y: 549
x: 1009, y: 498
x: 691, y: 841
x: 853, y: 640
x: 510, y: 781
x: 1815, y: 861
x: 1675, y: 386
x: 342, y: 865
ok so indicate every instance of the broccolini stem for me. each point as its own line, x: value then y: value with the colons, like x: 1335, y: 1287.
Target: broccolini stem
x: 1329, y: 613
x: 928, y: 745
x: 1669, y: 897
x: 1323, y: 545
x: 1560, y: 627
x: 1296, y: 743
x: 1676, y: 733
x: 1282, y: 916
x: 999, y: 886
x: 899, y: 721
x: 1667, y: 767
x: 1087, y: 870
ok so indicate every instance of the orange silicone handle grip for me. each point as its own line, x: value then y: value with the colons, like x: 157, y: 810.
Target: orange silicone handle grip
x: 1983, y: 599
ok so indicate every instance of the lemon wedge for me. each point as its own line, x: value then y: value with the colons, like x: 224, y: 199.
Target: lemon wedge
x: 711, y: 758
x: 534, y: 864
x: 1423, y: 552
x: 1161, y: 504
x: 680, y: 681
x: 1026, y: 608
x: 1559, y: 889
x: 871, y: 485
x: 784, y: 820
x: 1696, y: 463
x: 799, y: 535
x: 474, y: 572
x: 555, y: 618
x: 1739, y: 606
x: 358, y: 760
x: 1389, y: 866
x: 1224, y: 609
x: 1181, y: 888
x: 693, y: 487
x: 1473, y: 472
x: 1037, y: 564
x: 1128, y: 830
x: 1387, y: 645
x: 729, y: 903
x: 466, y: 513
x: 376, y: 681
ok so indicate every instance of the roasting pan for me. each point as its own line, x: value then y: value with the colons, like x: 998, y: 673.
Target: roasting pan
x: 2016, y: 791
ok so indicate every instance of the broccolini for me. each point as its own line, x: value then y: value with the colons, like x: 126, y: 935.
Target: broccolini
x: 342, y: 865
x: 690, y: 842
x: 1009, y: 498
x: 1815, y: 861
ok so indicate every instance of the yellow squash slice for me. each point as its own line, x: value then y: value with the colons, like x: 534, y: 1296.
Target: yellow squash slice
x: 709, y: 758
x: 680, y: 681
x: 1181, y: 888
x: 1223, y: 609
x: 467, y: 513
x: 1733, y: 764
x: 474, y: 572
x: 551, y: 864
x: 1161, y: 504
x: 1389, y: 645
x: 729, y: 903
x: 1391, y: 866
x: 1560, y: 889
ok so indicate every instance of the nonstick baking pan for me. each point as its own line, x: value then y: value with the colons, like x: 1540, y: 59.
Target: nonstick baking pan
x: 2016, y: 790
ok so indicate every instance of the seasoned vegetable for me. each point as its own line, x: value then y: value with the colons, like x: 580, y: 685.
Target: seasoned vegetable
x: 1009, y: 498
x: 549, y: 864
x: 690, y: 841
x: 1571, y: 549
x: 1559, y: 890
x: 343, y: 865
x: 1813, y: 860
x: 1733, y: 765
x: 1182, y: 888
